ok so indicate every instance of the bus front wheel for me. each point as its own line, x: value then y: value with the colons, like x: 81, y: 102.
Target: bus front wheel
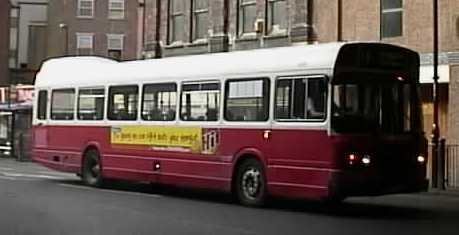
x: 91, y: 173
x: 251, y: 183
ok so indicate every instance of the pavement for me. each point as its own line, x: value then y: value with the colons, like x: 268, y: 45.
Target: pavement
x: 35, y: 200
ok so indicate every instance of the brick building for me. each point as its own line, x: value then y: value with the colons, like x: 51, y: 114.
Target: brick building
x: 94, y: 27
x: 182, y: 27
x: 4, y: 41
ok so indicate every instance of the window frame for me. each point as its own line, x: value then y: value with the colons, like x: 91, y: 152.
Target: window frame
x: 177, y: 106
x: 73, y: 106
x: 240, y: 17
x: 112, y: 9
x: 195, y: 13
x: 383, y: 12
x: 266, y: 97
x: 307, y: 120
x: 79, y: 8
x: 171, y: 15
x: 83, y: 35
x: 269, y: 17
x: 78, y: 103
x: 110, y: 102
x: 219, y: 115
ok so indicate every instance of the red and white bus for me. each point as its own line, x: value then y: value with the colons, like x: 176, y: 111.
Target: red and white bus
x: 323, y: 121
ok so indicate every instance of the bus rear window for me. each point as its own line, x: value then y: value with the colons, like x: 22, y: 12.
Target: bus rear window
x: 42, y: 105
x: 62, y: 104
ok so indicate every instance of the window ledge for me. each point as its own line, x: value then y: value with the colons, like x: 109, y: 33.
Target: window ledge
x: 178, y: 44
x: 85, y: 17
x: 198, y: 42
x: 247, y: 37
x: 275, y: 36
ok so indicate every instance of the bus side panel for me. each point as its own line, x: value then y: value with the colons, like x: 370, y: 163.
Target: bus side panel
x: 300, y: 163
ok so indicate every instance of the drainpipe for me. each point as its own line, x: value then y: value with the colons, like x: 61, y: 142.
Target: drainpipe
x: 340, y: 21
x: 226, y: 25
x: 158, y: 53
x: 310, y: 37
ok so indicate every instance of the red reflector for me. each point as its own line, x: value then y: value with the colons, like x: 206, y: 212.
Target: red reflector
x: 352, y: 157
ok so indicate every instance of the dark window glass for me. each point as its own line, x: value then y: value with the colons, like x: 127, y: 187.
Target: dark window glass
x: 247, y: 100
x: 62, y: 104
x: 123, y: 103
x: 301, y: 99
x: 159, y: 102
x: 42, y: 104
x: 200, y: 102
x: 91, y: 104
x: 391, y: 18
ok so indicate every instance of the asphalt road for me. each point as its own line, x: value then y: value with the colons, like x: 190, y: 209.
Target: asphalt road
x: 34, y: 200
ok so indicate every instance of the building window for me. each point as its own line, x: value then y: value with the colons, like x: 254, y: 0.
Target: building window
x: 115, y: 45
x: 159, y: 102
x: 300, y: 99
x: 91, y: 104
x: 176, y: 21
x: 84, y: 43
x: 200, y: 20
x: 247, y: 16
x: 63, y: 104
x: 116, y: 9
x: 42, y: 105
x: 247, y: 100
x: 122, y: 103
x: 200, y: 101
x: 277, y: 16
x: 391, y: 18
x: 85, y: 8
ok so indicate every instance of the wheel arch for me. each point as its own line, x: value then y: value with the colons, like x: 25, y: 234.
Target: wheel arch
x: 242, y: 156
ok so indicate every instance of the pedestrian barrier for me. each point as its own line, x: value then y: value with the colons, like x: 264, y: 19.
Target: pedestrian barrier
x: 452, y: 166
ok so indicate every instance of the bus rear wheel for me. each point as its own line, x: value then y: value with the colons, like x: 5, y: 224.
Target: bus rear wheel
x: 91, y: 173
x: 251, y: 183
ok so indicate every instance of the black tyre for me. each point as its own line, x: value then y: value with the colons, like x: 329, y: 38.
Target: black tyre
x: 250, y: 184
x: 91, y: 172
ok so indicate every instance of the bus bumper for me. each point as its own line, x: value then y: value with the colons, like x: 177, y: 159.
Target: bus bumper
x: 344, y: 184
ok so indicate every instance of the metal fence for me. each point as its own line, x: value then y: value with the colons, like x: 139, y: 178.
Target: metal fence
x: 452, y: 166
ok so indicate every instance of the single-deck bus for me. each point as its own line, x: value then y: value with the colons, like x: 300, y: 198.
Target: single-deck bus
x: 323, y: 121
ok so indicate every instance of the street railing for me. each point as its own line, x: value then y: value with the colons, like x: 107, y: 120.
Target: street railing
x: 452, y: 166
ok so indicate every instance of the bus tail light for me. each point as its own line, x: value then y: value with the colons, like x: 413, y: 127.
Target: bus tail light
x: 352, y: 159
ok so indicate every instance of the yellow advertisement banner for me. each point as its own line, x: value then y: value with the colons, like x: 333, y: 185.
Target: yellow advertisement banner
x: 175, y: 137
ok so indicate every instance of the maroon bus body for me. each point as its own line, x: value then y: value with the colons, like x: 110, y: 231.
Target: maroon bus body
x: 298, y: 163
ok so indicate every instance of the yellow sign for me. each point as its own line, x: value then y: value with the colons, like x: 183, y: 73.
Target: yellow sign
x: 176, y: 137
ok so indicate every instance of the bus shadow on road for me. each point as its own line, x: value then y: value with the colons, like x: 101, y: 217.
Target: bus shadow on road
x: 379, y: 209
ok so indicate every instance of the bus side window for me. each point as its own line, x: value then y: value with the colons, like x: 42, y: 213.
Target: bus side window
x: 301, y: 98
x: 62, y: 104
x: 247, y: 100
x: 122, y: 103
x: 91, y: 104
x: 42, y: 105
x: 159, y: 102
x: 200, y: 101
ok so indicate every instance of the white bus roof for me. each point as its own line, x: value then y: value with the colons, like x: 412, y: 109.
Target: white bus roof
x: 94, y: 71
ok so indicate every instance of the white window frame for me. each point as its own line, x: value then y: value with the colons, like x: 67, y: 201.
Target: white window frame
x: 79, y: 8
x: 172, y: 15
x: 111, y: 8
x: 242, y: 8
x: 275, y: 29
x: 119, y: 37
x: 89, y: 36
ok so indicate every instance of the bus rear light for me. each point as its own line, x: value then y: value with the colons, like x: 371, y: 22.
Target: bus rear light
x: 421, y: 159
x: 352, y: 158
